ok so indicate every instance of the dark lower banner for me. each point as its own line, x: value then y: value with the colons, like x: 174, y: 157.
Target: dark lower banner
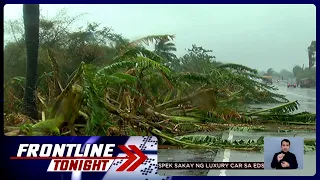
x: 80, y: 158
x: 210, y: 165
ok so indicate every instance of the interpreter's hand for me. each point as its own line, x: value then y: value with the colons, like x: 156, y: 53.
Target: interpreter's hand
x: 285, y: 164
x: 280, y: 157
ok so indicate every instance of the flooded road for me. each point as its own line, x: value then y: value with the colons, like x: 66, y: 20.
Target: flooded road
x: 307, y: 101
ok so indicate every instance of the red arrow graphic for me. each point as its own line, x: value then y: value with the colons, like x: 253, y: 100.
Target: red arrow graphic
x: 141, y: 158
x: 131, y: 158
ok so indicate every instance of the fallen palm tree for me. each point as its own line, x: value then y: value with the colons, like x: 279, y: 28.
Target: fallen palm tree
x: 139, y: 95
x: 71, y: 98
x: 283, y: 114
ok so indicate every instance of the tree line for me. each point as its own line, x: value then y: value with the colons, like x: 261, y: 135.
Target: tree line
x: 60, y: 76
x: 298, y: 72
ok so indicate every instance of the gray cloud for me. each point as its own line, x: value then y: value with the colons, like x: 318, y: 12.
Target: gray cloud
x: 259, y: 36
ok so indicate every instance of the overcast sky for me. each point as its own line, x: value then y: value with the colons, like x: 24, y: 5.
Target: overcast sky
x: 259, y: 36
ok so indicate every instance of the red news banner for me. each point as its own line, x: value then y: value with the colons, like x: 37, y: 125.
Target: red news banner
x: 210, y: 165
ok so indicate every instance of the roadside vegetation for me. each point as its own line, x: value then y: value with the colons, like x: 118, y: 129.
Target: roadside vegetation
x: 93, y: 81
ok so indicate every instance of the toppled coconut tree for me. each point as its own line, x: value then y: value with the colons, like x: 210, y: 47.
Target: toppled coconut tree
x: 122, y: 88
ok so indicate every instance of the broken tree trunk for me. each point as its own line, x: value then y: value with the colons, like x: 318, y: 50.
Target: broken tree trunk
x: 65, y: 110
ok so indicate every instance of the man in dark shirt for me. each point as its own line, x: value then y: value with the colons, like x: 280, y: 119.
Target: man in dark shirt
x: 284, y: 159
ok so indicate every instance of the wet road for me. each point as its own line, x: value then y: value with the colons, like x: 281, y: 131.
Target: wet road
x: 307, y: 100
x: 306, y: 97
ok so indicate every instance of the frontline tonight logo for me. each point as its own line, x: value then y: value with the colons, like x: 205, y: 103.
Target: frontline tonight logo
x: 69, y: 157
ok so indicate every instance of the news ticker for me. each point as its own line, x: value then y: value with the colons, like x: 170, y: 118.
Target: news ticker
x: 210, y: 165
x: 99, y: 157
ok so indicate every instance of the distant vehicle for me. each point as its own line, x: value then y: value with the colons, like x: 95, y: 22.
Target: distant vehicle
x: 267, y: 79
x: 307, y: 83
x: 292, y: 84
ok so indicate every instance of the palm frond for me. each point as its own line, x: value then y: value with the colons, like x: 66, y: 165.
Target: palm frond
x: 189, y: 76
x: 144, y: 62
x: 132, y: 53
x: 282, y: 109
x: 237, y: 67
x: 151, y: 39
x: 127, y: 77
x: 109, y: 69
